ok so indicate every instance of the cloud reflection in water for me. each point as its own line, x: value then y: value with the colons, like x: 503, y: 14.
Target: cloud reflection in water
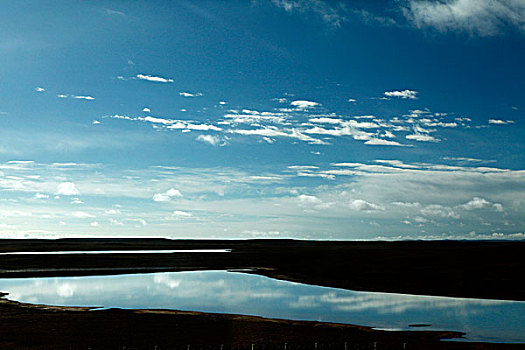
x: 231, y: 292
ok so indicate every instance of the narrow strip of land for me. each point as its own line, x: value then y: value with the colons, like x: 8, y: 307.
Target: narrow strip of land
x: 474, y: 269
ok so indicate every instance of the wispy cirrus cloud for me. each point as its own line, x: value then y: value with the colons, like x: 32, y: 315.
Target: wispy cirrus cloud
x: 475, y: 17
x: 111, y: 12
x: 331, y: 14
x: 310, y: 122
x: 500, y: 122
x: 77, y: 97
x: 83, y: 97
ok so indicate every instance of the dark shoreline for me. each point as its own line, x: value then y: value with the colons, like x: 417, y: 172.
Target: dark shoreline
x: 470, y: 269
x: 27, y: 326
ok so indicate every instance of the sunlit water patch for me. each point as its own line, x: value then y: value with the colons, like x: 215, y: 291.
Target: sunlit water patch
x: 76, y: 252
x: 239, y: 293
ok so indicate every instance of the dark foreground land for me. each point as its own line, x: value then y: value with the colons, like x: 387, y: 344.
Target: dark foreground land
x: 448, y: 268
x: 472, y: 269
x: 25, y: 326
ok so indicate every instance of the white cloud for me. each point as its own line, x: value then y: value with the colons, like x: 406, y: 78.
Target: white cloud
x: 94, y: 224
x: 421, y: 137
x: 115, y: 222
x: 146, y: 110
x: 302, y: 104
x: 189, y: 94
x: 76, y: 201
x: 476, y: 17
x: 157, y: 120
x: 200, y: 127
x: 95, y: 122
x: 39, y: 89
x: 476, y: 203
x: 181, y: 214
x: 410, y: 94
x: 112, y: 212
x: 331, y: 15
x: 361, y: 205
x: 41, y: 196
x: 500, y: 122
x: 78, y: 97
x: 82, y: 215
x: 67, y: 189
x: 481, y: 203
x: 306, y: 199
x: 87, y: 97
x: 167, y: 196
x: 154, y: 78
x: 439, y: 211
x: 382, y: 142
x: 115, y: 12
x: 210, y: 139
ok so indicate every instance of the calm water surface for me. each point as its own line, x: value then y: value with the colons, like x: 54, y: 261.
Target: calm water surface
x: 76, y: 252
x: 234, y: 292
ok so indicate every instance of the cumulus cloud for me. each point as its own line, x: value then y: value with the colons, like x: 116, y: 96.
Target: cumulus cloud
x: 439, y: 211
x: 421, y: 137
x: 304, y: 104
x: 410, y: 94
x: 475, y: 17
x: 153, y: 78
x: 209, y: 139
x: 39, y: 89
x: 481, y: 203
x: 167, y: 196
x: 146, y: 110
x: 476, y: 203
x: 361, y: 205
x: 67, y: 189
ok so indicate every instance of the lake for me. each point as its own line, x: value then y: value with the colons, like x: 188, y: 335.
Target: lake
x: 243, y: 293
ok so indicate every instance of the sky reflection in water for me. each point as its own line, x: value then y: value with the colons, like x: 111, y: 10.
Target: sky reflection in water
x: 230, y: 292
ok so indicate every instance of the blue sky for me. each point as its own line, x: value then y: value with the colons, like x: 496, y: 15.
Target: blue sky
x: 285, y: 118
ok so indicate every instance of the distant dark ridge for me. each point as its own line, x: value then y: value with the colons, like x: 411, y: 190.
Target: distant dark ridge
x: 473, y: 269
